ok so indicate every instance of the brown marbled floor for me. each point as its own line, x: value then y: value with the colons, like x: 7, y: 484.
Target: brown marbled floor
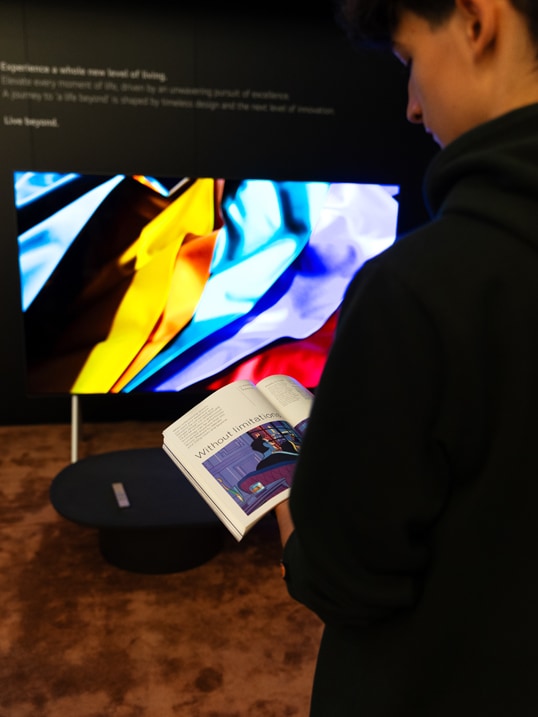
x: 80, y: 637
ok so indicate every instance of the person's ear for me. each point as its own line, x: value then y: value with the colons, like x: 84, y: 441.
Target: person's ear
x: 480, y: 19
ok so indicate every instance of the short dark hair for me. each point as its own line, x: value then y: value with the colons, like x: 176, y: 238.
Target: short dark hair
x: 373, y: 22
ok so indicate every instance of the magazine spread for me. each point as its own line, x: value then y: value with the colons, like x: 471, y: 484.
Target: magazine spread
x: 239, y: 446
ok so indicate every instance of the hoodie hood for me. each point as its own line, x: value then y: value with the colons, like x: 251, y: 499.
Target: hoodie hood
x: 491, y: 173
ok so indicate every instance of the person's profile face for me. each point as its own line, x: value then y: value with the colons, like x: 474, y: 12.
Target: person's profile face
x: 435, y: 59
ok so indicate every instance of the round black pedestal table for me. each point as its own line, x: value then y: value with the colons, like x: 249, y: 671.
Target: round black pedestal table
x: 158, y: 525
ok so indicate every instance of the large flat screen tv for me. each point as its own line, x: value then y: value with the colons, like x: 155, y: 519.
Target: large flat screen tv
x: 144, y: 284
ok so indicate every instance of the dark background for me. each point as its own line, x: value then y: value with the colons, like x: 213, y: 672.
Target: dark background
x: 279, y: 48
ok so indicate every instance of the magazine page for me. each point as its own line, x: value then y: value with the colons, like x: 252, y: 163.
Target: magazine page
x: 290, y: 397
x: 238, y: 451
x: 237, y: 530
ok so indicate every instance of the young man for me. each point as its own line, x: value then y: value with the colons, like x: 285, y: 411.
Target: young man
x: 418, y: 548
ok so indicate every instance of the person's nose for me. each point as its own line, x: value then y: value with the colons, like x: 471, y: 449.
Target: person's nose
x: 414, y: 108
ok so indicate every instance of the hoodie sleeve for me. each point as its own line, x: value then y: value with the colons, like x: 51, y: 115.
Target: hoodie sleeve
x: 372, y: 479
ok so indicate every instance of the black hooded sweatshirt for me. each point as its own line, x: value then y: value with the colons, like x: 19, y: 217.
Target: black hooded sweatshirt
x: 415, y: 499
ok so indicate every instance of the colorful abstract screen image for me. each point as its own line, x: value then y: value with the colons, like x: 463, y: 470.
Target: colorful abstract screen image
x: 134, y: 283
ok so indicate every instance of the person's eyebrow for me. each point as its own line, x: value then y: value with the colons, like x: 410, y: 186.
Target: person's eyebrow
x: 400, y: 52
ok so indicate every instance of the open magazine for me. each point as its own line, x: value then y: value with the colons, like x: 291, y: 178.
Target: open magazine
x: 239, y: 447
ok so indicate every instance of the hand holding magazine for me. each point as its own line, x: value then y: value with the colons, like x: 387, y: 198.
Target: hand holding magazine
x: 239, y: 447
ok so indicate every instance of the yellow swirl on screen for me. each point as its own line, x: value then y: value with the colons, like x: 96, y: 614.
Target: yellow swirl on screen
x: 163, y: 286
